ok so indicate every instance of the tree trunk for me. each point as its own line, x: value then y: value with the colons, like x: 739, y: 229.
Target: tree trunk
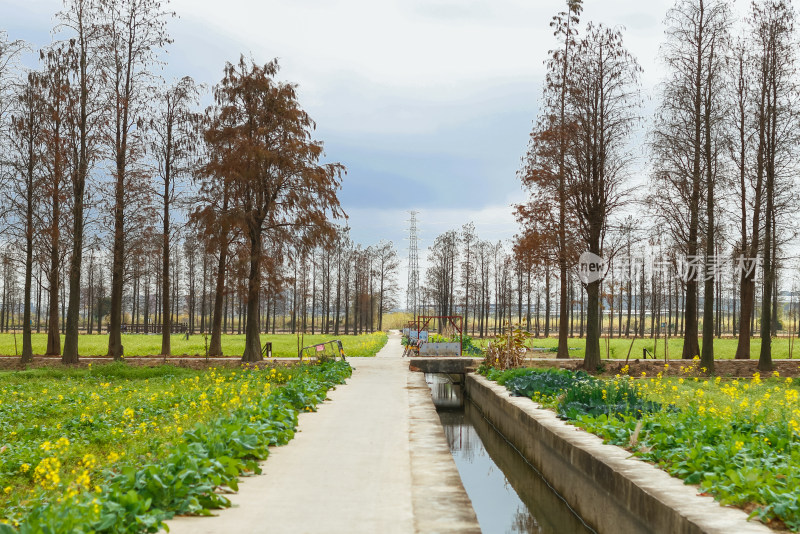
x: 338, y: 305
x: 204, y: 296
x: 630, y: 291
x: 53, y: 335
x: 563, y: 324
x: 70, y: 355
x: 27, y: 348
x: 380, y: 303
x: 547, y: 303
x: 642, y: 304
x: 252, y: 341
x: 591, y: 359
x: 215, y: 345
x: 765, y: 355
x: 115, y: 348
x: 166, y: 323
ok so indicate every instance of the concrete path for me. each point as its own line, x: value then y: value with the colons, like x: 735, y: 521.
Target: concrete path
x: 373, y: 459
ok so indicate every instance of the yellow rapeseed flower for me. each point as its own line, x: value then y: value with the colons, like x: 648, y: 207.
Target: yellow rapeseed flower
x: 47, y: 473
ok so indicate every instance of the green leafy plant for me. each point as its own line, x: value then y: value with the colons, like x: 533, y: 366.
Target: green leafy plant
x: 165, y: 470
x: 547, y: 382
x: 600, y: 397
x: 738, y: 440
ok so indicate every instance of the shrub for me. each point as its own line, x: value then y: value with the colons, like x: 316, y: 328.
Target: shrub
x: 507, y: 351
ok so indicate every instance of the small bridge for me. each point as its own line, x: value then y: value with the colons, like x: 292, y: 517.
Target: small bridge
x: 450, y: 366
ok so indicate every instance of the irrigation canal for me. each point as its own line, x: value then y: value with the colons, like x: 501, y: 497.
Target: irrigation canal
x: 507, y: 493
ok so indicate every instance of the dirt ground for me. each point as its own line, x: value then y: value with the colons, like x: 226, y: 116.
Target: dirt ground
x: 723, y: 368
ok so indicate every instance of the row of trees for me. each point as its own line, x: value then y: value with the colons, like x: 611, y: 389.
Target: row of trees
x: 99, y: 155
x: 494, y: 285
x: 722, y: 147
x: 345, y: 288
x: 721, y: 172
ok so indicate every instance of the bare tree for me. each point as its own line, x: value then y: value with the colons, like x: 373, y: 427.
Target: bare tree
x: 135, y: 31
x: 685, y: 135
x: 602, y: 107
x: 777, y: 123
x: 173, y: 136
x: 386, y: 265
x: 26, y: 143
x: 468, y: 240
x: 81, y: 18
x: 441, y: 274
x: 9, y: 57
x: 748, y: 187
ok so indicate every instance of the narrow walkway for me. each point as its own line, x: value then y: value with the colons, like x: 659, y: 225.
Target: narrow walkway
x: 365, y: 462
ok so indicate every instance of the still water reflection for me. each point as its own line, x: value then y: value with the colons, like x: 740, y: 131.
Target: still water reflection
x: 508, y: 495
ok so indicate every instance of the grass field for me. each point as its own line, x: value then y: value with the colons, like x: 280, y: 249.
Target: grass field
x: 118, y: 448
x: 618, y: 348
x: 283, y: 345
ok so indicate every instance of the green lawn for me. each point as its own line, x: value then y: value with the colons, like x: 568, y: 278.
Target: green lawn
x: 618, y: 348
x: 283, y: 345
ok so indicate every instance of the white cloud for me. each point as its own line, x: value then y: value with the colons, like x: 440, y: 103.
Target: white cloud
x: 439, y: 94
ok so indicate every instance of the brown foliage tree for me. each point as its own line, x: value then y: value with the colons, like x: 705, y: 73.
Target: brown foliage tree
x: 261, y: 147
x: 544, y: 171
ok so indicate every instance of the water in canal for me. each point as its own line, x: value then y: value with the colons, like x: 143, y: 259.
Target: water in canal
x: 507, y: 493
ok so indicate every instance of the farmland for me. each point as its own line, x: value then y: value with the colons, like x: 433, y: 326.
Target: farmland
x: 737, y: 439
x: 113, y: 445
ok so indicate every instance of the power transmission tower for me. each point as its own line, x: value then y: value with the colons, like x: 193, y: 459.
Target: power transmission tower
x: 412, y: 293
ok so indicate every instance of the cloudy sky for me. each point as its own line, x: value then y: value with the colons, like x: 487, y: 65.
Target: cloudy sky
x: 428, y: 103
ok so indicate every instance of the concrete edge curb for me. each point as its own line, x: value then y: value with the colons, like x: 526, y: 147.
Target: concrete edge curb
x: 610, y: 489
x: 439, y: 500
